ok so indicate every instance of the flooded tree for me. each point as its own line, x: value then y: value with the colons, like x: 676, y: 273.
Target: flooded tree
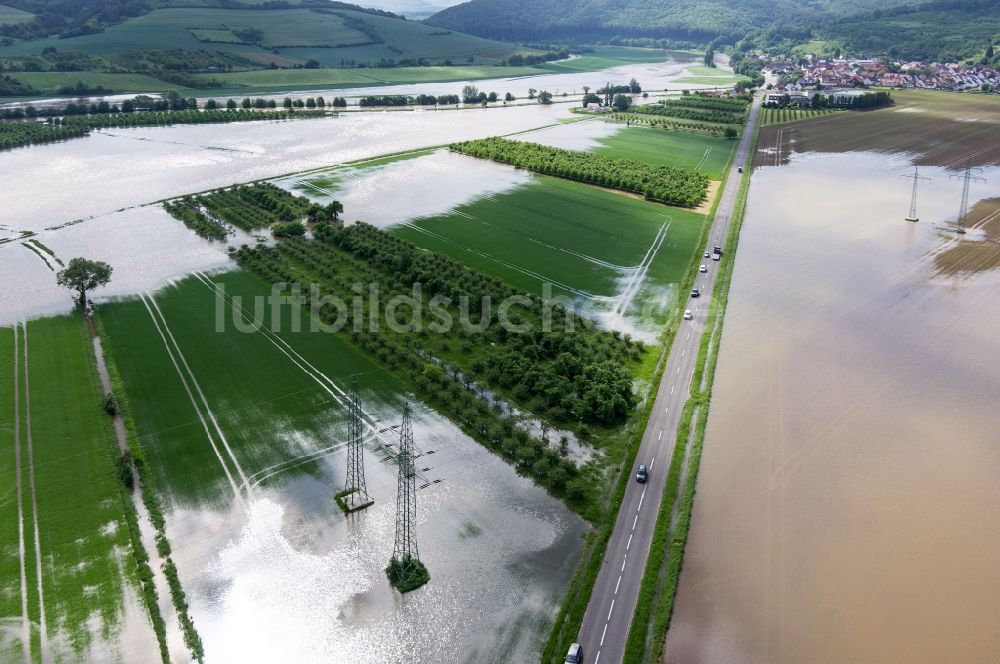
x: 82, y: 275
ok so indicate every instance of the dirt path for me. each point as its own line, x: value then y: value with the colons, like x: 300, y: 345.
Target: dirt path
x: 25, y: 621
x: 42, y: 626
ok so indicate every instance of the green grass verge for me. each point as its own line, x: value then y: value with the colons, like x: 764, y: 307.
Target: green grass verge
x: 654, y: 606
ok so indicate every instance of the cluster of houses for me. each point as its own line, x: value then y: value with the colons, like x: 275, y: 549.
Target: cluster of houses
x: 789, y: 76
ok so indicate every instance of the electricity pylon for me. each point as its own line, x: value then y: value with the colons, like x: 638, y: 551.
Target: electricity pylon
x: 916, y: 177
x: 968, y: 177
x: 406, y: 494
x: 356, y: 492
x: 405, y: 570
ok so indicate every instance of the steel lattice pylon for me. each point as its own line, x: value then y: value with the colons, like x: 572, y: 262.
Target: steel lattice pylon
x: 405, y: 548
x: 916, y: 177
x: 967, y: 178
x: 358, y: 497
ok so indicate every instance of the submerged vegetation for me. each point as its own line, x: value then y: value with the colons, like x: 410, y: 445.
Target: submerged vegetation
x: 407, y: 574
x: 663, y: 184
x: 249, y: 208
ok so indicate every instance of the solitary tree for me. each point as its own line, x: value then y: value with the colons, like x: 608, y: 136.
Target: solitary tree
x: 82, y: 275
x: 545, y: 97
x: 622, y: 103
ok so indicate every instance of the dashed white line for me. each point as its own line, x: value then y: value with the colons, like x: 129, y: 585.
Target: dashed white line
x: 603, y: 633
x: 635, y: 521
x: 616, y: 592
x: 623, y: 569
x: 640, y: 500
x: 611, y: 609
x: 659, y: 435
x: 598, y: 657
x: 683, y: 351
x: 672, y: 388
x: 653, y: 461
x: 627, y: 545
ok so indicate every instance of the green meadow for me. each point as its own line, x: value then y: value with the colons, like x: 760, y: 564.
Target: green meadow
x: 706, y: 154
x: 604, y: 57
x: 269, y: 410
x: 584, y: 240
x: 83, y: 541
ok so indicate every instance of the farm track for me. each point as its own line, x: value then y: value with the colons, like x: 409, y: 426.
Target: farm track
x: 187, y: 388
x: 25, y: 620
x: 42, y: 624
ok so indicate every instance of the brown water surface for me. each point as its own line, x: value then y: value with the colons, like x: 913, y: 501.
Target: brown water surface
x: 848, y: 503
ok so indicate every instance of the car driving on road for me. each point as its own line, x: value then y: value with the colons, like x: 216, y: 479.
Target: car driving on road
x: 695, y: 292
x: 641, y: 475
x: 688, y: 315
x: 703, y: 268
x: 575, y: 654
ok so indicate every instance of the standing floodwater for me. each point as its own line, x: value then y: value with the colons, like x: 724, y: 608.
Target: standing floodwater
x: 848, y: 496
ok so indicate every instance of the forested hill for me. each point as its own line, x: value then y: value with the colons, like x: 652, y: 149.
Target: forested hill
x: 676, y: 19
x: 942, y: 30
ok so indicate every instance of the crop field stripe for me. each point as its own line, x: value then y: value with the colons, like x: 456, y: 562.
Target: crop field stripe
x: 25, y: 619
x: 506, y: 264
x: 325, y: 382
x: 525, y: 236
x: 187, y: 389
x: 42, y: 625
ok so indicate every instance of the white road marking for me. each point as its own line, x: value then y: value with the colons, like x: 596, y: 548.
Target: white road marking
x: 634, y: 522
x: 653, y: 461
x: 611, y: 609
x: 598, y: 657
x: 640, y: 500
x: 672, y: 388
x: 683, y: 351
x: 623, y: 569
x: 659, y: 436
x: 616, y: 592
x: 627, y: 545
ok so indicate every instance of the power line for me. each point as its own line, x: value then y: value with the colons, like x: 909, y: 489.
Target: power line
x: 967, y: 178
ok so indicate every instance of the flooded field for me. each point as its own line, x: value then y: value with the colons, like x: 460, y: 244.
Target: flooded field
x: 847, y: 499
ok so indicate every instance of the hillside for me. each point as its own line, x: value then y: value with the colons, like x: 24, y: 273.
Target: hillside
x: 947, y: 31
x: 210, y: 47
x: 679, y: 19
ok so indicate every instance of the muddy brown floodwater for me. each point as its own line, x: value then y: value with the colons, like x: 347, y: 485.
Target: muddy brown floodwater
x: 848, y: 499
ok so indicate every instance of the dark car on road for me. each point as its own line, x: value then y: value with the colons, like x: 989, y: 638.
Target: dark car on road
x: 641, y: 475
x: 695, y: 292
x: 575, y: 654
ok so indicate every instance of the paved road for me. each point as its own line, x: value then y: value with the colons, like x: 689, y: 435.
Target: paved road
x: 612, y: 605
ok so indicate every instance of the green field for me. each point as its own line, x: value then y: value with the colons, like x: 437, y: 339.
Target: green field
x: 287, y: 79
x: 706, y: 154
x: 83, y: 539
x: 773, y: 116
x: 268, y: 409
x: 604, y: 57
x: 50, y: 81
x: 587, y: 242
x: 295, y: 33
x: 13, y: 15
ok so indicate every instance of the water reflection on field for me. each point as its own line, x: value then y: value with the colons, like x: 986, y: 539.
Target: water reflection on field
x: 294, y: 580
x: 847, y: 498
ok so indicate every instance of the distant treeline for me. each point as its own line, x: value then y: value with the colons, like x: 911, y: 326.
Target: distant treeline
x: 403, y: 100
x: 674, y: 186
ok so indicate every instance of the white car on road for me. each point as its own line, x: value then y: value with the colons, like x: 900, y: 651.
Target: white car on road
x: 688, y: 315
